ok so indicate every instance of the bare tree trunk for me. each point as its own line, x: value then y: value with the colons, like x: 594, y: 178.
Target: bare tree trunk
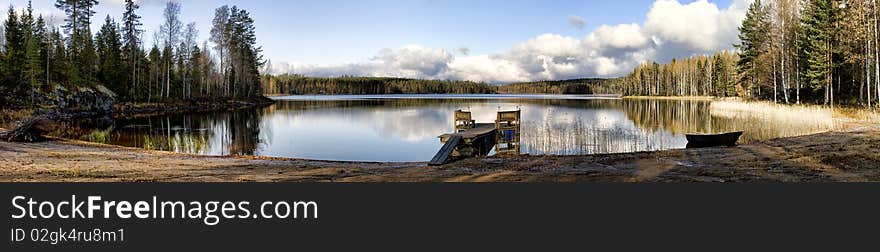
x: 168, y: 78
x: 797, y: 70
x: 867, y: 72
x: 876, y: 51
x: 785, y: 80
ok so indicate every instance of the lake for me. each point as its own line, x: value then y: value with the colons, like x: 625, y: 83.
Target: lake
x: 399, y: 128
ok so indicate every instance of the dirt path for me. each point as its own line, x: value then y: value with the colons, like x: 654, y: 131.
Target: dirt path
x: 850, y: 155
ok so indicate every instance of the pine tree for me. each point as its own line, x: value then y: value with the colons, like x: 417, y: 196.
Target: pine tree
x: 815, y: 43
x: 753, y: 43
x: 155, y: 58
x: 33, y: 70
x: 111, y: 70
x: 131, y: 40
x: 245, y: 55
x: 58, y: 67
x: 88, y: 60
x: 42, y: 38
x: 14, y: 59
x: 80, y: 45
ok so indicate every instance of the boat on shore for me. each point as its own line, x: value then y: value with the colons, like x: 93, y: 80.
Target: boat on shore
x: 713, y: 140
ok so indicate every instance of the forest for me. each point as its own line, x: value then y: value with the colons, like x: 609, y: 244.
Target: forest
x: 301, y: 85
x: 790, y: 51
x: 39, y: 60
x: 577, y: 86
x: 701, y: 75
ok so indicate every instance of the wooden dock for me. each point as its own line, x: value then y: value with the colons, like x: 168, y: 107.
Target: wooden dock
x: 465, y: 142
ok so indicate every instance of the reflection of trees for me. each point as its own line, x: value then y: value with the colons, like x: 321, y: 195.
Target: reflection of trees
x: 675, y: 116
x: 235, y: 133
x: 244, y: 132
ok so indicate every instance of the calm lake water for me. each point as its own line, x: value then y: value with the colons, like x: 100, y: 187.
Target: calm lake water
x: 405, y: 128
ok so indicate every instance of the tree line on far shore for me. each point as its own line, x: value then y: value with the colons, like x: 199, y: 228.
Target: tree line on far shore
x: 301, y: 85
x: 701, y: 75
x: 576, y: 86
x: 38, y: 58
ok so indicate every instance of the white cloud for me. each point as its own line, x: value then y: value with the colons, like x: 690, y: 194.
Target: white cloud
x: 413, y: 61
x: 486, y: 68
x: 696, y: 27
x: 625, y: 37
x: 671, y: 29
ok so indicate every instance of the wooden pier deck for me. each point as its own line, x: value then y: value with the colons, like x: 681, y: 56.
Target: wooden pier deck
x: 479, y: 129
x: 481, y: 132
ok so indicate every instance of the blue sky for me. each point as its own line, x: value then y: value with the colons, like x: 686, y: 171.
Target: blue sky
x: 333, y: 33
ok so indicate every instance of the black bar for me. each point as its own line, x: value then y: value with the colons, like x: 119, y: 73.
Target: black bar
x: 414, y: 217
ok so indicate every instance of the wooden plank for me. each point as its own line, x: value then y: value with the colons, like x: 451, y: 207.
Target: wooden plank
x: 469, y: 134
x: 442, y: 156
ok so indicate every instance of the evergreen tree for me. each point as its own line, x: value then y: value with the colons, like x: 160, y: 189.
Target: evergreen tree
x: 42, y: 39
x: 34, y: 35
x: 195, y: 74
x: 131, y: 33
x: 80, y: 46
x: 14, y: 59
x: 155, y: 58
x: 58, y: 67
x: 111, y: 70
x: 249, y: 55
x: 817, y: 44
x: 753, y: 43
x: 87, y: 62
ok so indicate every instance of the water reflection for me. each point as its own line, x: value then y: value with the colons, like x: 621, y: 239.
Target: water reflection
x: 406, y: 129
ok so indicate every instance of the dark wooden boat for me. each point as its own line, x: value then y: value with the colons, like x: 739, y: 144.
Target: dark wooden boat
x: 712, y: 140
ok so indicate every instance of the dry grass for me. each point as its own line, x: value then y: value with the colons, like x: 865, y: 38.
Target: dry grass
x: 777, y: 113
x: 8, y: 117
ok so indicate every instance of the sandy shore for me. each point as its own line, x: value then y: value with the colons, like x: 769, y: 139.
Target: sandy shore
x: 849, y: 155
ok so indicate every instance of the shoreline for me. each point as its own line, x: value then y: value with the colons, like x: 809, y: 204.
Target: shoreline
x: 135, y: 110
x: 837, y: 156
x: 9, y: 116
x: 844, y: 154
x: 684, y: 98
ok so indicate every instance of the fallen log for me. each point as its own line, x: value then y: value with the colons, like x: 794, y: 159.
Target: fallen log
x: 30, y: 130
